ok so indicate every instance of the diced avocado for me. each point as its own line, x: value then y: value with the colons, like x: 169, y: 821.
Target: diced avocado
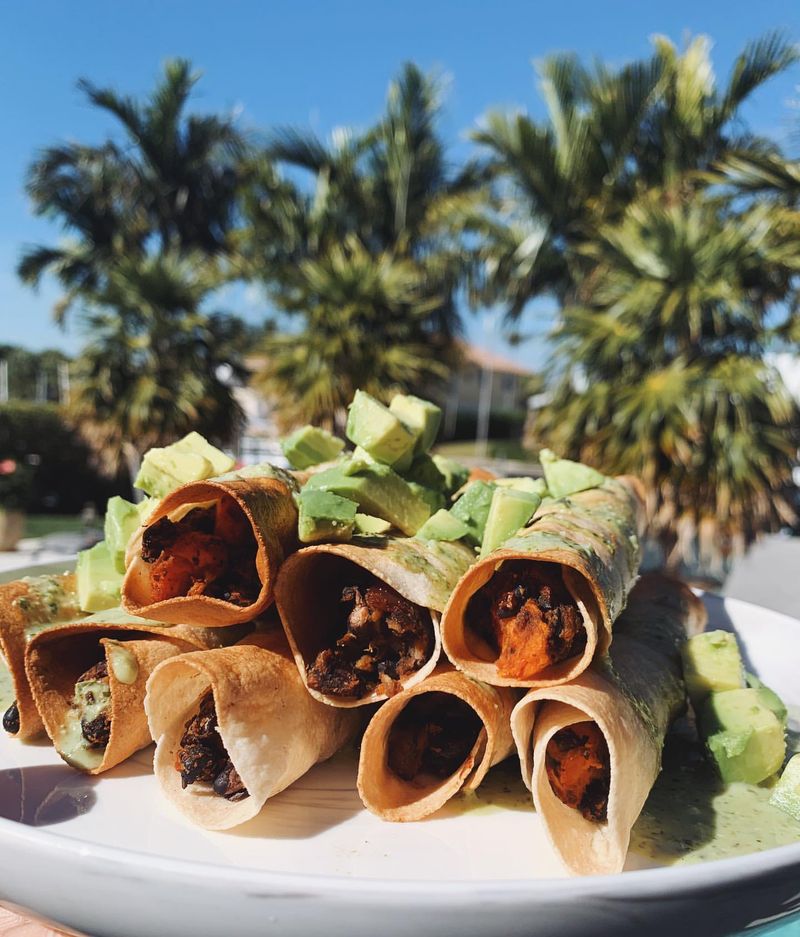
x: 371, y: 526
x: 421, y: 416
x: 309, y: 446
x: 324, y: 516
x: 534, y: 486
x: 121, y: 521
x: 510, y: 509
x: 434, y: 499
x: 745, y: 737
x: 768, y: 697
x: 473, y: 509
x: 424, y: 471
x: 455, y: 474
x: 194, y: 442
x: 97, y: 578
x: 564, y: 477
x: 786, y: 795
x: 711, y: 663
x: 190, y: 459
x: 443, y: 525
x: 123, y: 518
x: 375, y: 428
x: 378, y: 490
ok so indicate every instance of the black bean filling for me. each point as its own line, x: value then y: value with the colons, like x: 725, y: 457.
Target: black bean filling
x: 202, y: 758
x: 96, y: 731
x: 385, y: 638
x: 433, y: 735
x: 11, y: 719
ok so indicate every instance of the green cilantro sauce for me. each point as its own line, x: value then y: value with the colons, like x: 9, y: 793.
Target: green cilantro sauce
x: 46, y: 603
x: 691, y: 816
x: 6, y: 687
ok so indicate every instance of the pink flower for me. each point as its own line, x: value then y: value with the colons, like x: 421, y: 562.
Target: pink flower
x: 8, y: 467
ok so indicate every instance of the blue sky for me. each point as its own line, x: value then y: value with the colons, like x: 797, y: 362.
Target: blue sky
x: 319, y: 64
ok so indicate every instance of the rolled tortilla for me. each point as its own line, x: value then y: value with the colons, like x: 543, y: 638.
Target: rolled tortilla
x: 131, y: 648
x: 272, y: 730
x: 391, y: 797
x: 263, y: 503
x: 309, y: 593
x: 632, y: 697
x: 28, y: 606
x: 590, y: 543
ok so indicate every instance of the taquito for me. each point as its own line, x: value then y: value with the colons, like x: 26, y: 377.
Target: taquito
x: 88, y: 682
x: 28, y: 606
x: 210, y: 551
x: 536, y: 611
x: 235, y: 726
x: 362, y: 618
x: 429, y: 742
x: 590, y: 750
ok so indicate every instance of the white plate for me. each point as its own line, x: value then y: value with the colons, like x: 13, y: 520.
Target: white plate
x: 109, y: 857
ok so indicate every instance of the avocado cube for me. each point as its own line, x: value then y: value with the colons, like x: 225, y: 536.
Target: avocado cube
x: 455, y: 474
x: 97, y: 579
x: 377, y: 490
x: 371, y: 526
x: 510, y: 509
x: 744, y: 737
x: 194, y: 442
x: 324, y: 516
x: 786, y: 795
x: 472, y: 508
x: 309, y: 446
x: 711, y: 663
x: 443, y: 525
x: 768, y: 697
x: 565, y: 477
x: 424, y: 471
x: 122, y: 519
x: 375, y: 428
x: 420, y: 416
x: 434, y: 499
x: 534, y: 486
x: 191, y: 459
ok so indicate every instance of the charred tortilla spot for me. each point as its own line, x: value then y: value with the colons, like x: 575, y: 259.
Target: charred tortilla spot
x: 202, y: 758
x: 433, y: 735
x: 527, y: 615
x: 578, y: 767
x: 210, y: 551
x: 385, y: 638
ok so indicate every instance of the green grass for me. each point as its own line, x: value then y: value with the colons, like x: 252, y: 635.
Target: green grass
x: 39, y: 525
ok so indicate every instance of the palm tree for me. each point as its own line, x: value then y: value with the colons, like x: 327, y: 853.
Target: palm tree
x: 664, y: 372
x: 373, y: 246
x: 153, y: 367
x: 609, y: 134
x: 172, y: 186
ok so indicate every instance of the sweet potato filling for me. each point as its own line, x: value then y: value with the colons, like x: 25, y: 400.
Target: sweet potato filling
x: 525, y: 613
x: 202, y: 758
x: 385, y: 638
x: 211, y: 551
x: 433, y: 735
x: 579, y: 769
